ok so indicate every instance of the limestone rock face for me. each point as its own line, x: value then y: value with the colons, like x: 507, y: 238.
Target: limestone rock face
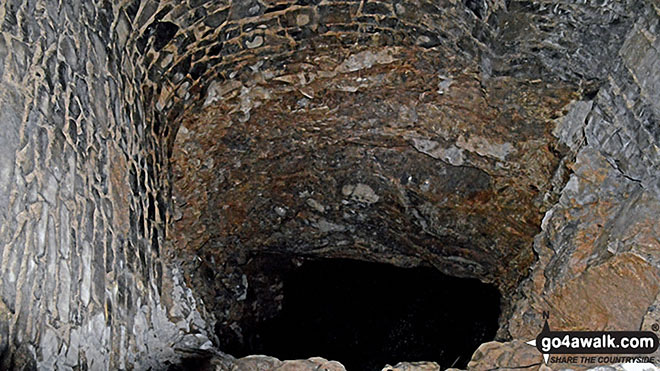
x: 466, y: 159
x: 394, y: 151
x: 598, y: 254
x: 161, y: 160
x: 367, y: 174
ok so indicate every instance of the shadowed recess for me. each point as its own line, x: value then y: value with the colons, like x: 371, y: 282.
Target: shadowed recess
x: 368, y: 314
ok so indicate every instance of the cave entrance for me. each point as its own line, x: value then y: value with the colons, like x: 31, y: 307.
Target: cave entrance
x: 368, y: 314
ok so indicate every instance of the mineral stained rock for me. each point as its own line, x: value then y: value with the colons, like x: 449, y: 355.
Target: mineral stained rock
x: 389, y: 170
x: 497, y: 150
x: 162, y: 161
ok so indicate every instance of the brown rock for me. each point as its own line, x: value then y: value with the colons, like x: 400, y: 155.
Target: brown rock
x: 266, y: 363
x: 510, y: 355
x: 256, y: 363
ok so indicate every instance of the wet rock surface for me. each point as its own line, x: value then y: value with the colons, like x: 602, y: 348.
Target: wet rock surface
x: 511, y: 141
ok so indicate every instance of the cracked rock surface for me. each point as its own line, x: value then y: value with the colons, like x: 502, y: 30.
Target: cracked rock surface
x: 388, y: 170
x: 488, y: 162
x: 160, y: 160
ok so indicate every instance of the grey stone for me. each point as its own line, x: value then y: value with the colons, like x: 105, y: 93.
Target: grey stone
x: 86, y: 278
x: 76, y: 111
x: 11, y: 121
x: 3, y: 55
x: 256, y: 42
x: 122, y: 29
x: 72, y: 355
x: 360, y: 192
x: 50, y: 284
x: 64, y: 289
x: 451, y: 154
x: 325, y: 226
x: 570, y: 128
x: 484, y: 147
x: 217, y: 18
x: 279, y: 210
x: 315, y: 205
x: 366, y: 59
x: 41, y: 230
x: 68, y: 49
x: 49, y: 345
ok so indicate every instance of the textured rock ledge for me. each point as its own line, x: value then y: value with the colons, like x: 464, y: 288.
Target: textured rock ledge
x: 515, y: 355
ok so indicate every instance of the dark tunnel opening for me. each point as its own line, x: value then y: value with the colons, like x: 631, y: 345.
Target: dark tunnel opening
x: 366, y: 315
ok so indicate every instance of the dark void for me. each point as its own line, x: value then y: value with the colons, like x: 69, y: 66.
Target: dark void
x: 366, y: 315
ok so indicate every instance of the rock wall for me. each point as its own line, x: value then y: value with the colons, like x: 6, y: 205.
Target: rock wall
x: 83, y: 202
x: 598, y: 251
x: 93, y: 94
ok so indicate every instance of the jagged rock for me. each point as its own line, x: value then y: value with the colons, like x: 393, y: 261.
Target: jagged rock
x: 651, y: 321
x: 265, y: 363
x: 510, y: 355
x: 413, y: 366
x: 512, y: 141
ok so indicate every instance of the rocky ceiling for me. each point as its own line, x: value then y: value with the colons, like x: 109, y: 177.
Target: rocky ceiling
x: 407, y: 132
